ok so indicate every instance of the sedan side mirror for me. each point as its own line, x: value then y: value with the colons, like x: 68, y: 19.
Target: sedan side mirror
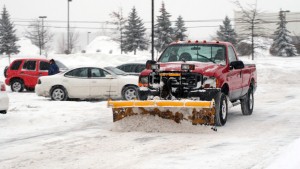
x: 237, y: 64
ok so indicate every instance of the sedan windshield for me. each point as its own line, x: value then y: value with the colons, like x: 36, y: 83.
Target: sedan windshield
x: 194, y: 52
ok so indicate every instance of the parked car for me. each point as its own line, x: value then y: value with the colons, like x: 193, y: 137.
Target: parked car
x: 23, y: 73
x: 3, y: 99
x: 88, y: 83
x: 132, y: 68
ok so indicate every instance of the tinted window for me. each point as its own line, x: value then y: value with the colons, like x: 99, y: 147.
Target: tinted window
x: 140, y: 68
x: 44, y: 65
x: 16, y: 65
x: 29, y: 65
x: 80, y: 72
x: 95, y: 72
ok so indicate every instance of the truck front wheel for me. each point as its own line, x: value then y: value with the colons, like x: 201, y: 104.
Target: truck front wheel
x: 221, y: 109
x: 247, y: 103
x: 17, y: 85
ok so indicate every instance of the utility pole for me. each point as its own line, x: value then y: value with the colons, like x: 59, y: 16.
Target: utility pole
x: 42, y: 34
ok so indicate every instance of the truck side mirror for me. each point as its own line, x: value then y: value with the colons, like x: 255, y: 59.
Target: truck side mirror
x: 237, y: 64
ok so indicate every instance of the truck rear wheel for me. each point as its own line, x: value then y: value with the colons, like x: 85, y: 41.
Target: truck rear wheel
x: 221, y: 106
x: 247, y: 103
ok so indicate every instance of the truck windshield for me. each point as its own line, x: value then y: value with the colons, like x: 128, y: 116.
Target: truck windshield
x: 194, y: 52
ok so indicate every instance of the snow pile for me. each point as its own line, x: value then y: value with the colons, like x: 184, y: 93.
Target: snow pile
x: 26, y: 47
x: 103, y: 44
x: 150, y: 123
x: 263, y: 45
x: 289, y: 158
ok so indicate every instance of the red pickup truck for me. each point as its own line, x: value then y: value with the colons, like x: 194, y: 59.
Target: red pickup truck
x: 24, y: 73
x: 202, y: 71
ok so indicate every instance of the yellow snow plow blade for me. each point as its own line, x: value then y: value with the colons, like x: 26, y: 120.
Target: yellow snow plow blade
x: 198, y: 112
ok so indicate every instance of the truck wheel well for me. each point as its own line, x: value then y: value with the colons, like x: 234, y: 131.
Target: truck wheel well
x: 225, y: 89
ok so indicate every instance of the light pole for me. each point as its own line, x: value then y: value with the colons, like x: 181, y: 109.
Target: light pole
x: 42, y: 34
x: 68, y: 31
x: 88, y: 38
x: 284, y: 13
x: 152, y: 31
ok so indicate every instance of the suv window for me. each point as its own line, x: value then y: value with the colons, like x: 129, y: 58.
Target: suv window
x: 29, y: 65
x: 80, y: 72
x: 44, y: 65
x: 16, y: 65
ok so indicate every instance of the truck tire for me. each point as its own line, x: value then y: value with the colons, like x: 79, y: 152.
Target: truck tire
x: 221, y: 106
x: 17, y: 85
x: 129, y: 93
x: 247, y: 103
x: 59, y: 93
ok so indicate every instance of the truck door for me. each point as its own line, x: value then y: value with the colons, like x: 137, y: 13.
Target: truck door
x: 234, y: 77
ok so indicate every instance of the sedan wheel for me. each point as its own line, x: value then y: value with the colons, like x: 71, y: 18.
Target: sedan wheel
x: 59, y: 94
x: 129, y: 93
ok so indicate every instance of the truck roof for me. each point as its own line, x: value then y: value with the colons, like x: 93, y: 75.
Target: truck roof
x: 202, y: 42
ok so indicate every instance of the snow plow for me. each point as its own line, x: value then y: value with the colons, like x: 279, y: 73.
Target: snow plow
x: 197, y: 112
x: 192, y: 81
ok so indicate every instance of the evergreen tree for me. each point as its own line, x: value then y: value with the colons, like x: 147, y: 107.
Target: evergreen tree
x: 282, y: 45
x: 180, y: 30
x: 134, y: 33
x: 163, y: 30
x: 226, y: 32
x: 7, y: 35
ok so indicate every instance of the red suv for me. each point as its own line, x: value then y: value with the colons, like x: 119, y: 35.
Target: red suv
x: 24, y: 73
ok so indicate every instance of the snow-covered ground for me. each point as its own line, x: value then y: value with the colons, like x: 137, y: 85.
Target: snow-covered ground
x: 39, y: 133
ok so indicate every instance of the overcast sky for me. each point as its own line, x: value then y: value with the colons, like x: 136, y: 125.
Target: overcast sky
x: 99, y: 10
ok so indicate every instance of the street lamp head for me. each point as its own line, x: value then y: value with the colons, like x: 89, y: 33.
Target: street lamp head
x: 42, y: 16
x: 281, y: 11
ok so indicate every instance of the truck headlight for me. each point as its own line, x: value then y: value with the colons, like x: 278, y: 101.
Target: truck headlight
x: 187, y: 67
x: 143, y: 81
x: 155, y: 66
x: 209, y: 82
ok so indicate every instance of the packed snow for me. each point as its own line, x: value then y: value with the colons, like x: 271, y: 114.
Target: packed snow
x: 40, y: 133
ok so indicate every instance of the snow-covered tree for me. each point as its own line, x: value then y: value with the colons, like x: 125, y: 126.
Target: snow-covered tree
x: 134, y: 33
x: 39, y: 35
x: 119, y: 21
x: 163, y: 30
x: 63, y: 42
x: 8, y: 38
x: 226, y: 32
x: 251, y: 24
x: 180, y: 29
x: 282, y: 45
